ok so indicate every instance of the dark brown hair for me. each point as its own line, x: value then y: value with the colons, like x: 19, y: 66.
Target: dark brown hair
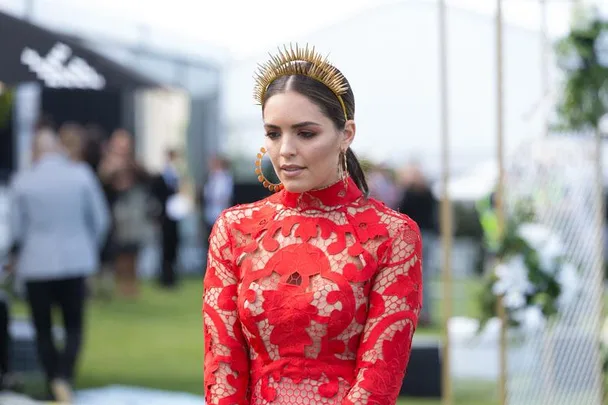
x: 73, y: 138
x: 45, y: 121
x: 329, y: 104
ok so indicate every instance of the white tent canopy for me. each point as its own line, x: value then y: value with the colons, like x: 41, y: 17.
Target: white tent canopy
x: 478, y: 181
x: 471, y: 185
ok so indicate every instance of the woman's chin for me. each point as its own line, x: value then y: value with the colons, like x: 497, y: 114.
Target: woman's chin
x: 296, y: 185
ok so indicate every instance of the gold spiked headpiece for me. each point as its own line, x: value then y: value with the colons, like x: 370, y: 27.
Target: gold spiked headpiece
x: 285, y: 63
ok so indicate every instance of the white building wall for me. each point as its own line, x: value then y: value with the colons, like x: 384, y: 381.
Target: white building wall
x: 162, y: 122
x: 390, y: 55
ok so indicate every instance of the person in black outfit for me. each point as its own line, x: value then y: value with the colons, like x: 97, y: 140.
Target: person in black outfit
x: 161, y: 192
x: 419, y: 203
x: 93, y: 150
x: 163, y: 187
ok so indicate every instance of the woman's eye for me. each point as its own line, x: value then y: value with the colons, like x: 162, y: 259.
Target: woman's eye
x: 272, y: 135
x: 306, y: 134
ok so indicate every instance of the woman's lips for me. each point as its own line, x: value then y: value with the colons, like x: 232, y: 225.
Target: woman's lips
x: 292, y: 170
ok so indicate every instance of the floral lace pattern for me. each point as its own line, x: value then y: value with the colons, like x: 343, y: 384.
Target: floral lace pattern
x: 310, y: 298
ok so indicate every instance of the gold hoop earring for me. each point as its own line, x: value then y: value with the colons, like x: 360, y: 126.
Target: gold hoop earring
x: 261, y: 178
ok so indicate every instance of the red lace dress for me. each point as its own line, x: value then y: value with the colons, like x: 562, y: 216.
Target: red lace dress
x: 310, y: 298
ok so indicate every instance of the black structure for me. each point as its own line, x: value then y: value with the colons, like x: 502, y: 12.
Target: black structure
x: 159, y: 57
x: 7, y: 144
x: 423, y: 377
x: 77, y: 84
x: 104, y: 108
x: 31, y: 53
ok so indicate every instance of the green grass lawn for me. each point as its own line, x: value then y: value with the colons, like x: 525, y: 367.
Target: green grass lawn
x: 157, y: 342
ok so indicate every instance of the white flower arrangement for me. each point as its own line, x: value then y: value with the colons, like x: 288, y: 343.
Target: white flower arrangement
x: 532, y: 275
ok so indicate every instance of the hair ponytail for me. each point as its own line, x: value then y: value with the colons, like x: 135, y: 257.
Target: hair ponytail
x: 356, y: 171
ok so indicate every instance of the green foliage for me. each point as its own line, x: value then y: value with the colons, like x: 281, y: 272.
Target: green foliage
x: 366, y: 164
x: 467, y: 221
x: 6, y: 104
x: 546, y: 291
x: 585, y: 95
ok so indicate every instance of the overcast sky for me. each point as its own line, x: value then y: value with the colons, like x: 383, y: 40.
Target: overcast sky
x: 245, y: 26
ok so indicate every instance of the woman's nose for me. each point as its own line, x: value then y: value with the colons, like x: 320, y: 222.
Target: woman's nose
x: 288, y: 145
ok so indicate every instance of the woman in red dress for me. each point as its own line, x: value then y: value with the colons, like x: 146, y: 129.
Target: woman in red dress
x: 312, y: 295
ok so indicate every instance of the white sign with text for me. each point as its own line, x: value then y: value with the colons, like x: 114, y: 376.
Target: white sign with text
x: 60, y: 69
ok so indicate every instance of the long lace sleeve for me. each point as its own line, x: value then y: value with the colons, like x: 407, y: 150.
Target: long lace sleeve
x: 394, y: 305
x: 226, y: 369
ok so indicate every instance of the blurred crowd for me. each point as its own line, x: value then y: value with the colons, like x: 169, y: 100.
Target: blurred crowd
x: 79, y: 219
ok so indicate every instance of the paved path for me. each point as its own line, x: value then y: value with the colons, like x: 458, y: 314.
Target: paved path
x: 114, y: 395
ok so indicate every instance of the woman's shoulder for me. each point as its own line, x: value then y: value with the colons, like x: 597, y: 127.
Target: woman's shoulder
x: 233, y: 215
x: 396, y: 222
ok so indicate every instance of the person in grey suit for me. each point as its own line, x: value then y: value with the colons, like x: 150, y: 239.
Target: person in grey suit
x: 59, y: 220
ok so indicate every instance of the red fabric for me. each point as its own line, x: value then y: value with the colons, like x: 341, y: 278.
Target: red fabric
x: 310, y: 298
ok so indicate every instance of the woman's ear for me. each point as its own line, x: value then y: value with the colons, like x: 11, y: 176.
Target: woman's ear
x: 348, y: 134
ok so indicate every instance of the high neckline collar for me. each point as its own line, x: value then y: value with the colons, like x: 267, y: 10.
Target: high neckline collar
x: 335, y: 195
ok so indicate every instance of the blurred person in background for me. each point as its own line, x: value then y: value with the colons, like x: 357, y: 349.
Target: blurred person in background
x: 218, y: 192
x: 170, y: 173
x: 164, y: 188
x: 382, y: 186
x: 73, y: 139
x: 80, y: 147
x: 95, y: 137
x: 126, y: 185
x: 59, y: 219
x: 419, y: 203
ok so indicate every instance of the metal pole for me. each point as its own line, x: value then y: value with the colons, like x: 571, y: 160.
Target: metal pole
x: 446, y: 209
x: 500, y: 209
x: 547, y: 357
x: 600, y: 225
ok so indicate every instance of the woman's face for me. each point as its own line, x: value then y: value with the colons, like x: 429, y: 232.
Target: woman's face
x: 302, y: 143
x: 120, y: 144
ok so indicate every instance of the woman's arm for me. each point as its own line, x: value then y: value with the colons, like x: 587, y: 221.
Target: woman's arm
x: 226, y: 369
x: 394, y: 305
